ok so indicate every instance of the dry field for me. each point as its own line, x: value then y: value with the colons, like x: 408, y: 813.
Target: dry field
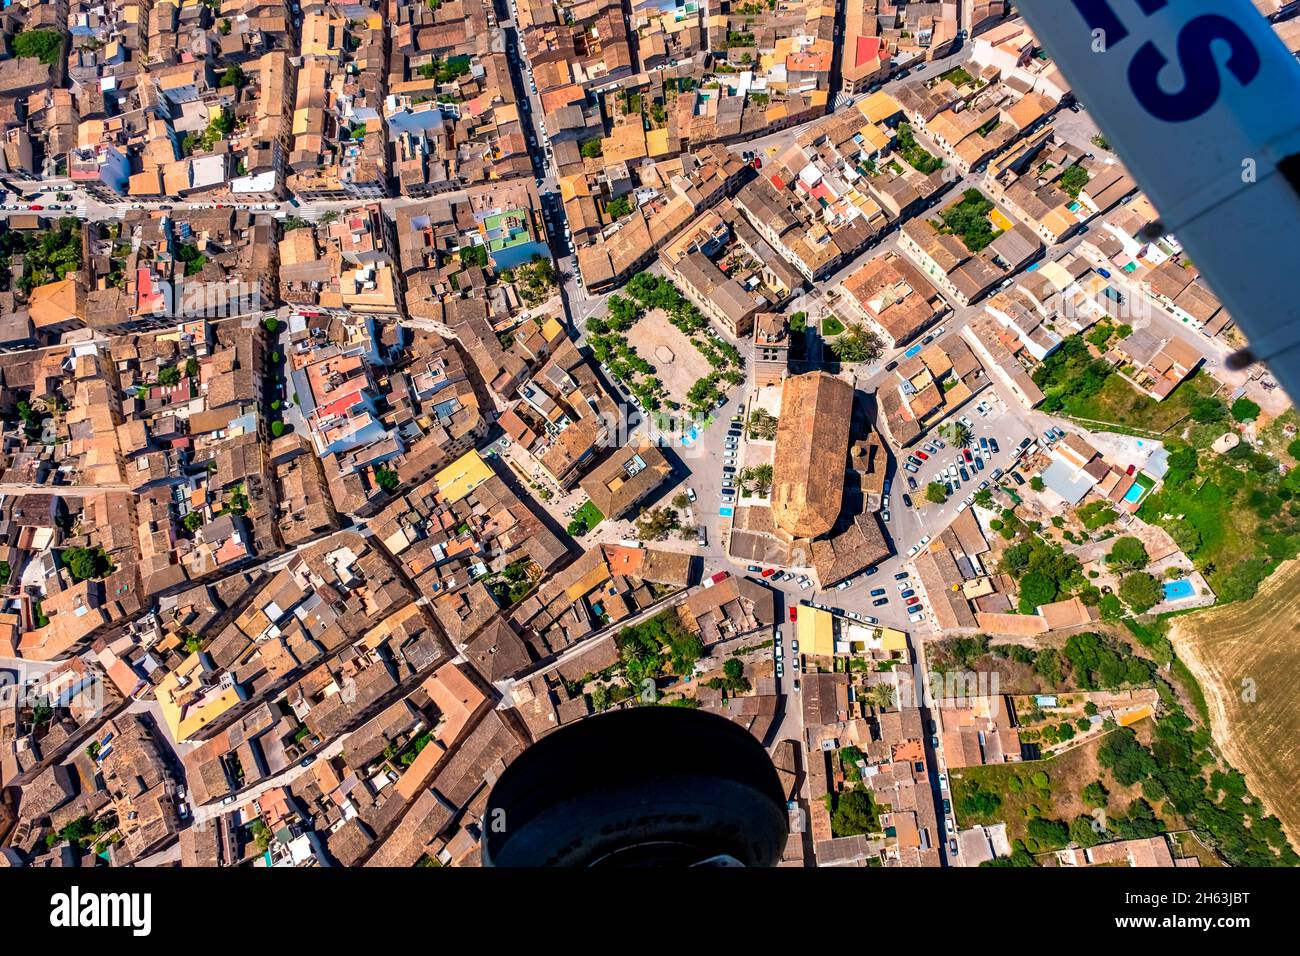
x: 1254, y: 641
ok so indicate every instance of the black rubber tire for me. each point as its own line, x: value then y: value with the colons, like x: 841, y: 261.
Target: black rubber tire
x: 648, y: 786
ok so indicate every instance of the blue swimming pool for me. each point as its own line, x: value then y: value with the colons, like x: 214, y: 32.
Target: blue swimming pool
x: 726, y: 512
x: 1134, y: 493
x: 1179, y: 589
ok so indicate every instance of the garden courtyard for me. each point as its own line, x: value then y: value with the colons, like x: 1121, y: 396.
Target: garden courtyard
x: 678, y: 364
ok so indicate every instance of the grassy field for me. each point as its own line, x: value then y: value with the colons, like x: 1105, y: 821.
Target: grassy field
x: 1253, y: 641
x: 1067, y: 775
x: 1119, y: 403
x: 590, y: 515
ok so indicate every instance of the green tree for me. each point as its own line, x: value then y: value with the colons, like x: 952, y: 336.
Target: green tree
x: 857, y: 344
x: 762, y: 424
x: 86, y: 564
x: 1244, y: 410
x: 277, y: 428
x: 1036, y: 588
x: 43, y: 45
x: 169, y: 375
x: 1073, y: 180
x: 1049, y: 834
x: 618, y: 208
x: 1036, y: 483
x: 1139, y: 591
x: 655, y: 525
x: 854, y: 813
x: 1128, y: 553
x: 1208, y: 409
x: 1095, y: 794
x: 591, y: 148
x: 936, y: 493
x: 1082, y: 833
x: 387, y: 479
x: 234, y: 76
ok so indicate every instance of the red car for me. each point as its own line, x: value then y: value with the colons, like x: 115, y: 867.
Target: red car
x: 793, y: 614
x: 921, y: 455
x: 967, y: 455
x: 1131, y: 469
x: 35, y: 207
x: 769, y: 572
x: 913, y: 601
x: 758, y: 163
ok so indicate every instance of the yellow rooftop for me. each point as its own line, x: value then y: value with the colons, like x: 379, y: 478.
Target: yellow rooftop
x: 462, y: 476
x: 816, y: 631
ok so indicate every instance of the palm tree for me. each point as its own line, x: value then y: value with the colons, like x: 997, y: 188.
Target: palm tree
x: 857, y: 344
x: 959, y: 435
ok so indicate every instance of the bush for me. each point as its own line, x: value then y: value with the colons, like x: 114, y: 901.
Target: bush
x: 277, y: 428
x: 1049, y: 834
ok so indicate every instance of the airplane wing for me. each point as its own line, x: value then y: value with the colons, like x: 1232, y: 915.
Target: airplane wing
x: 1201, y: 99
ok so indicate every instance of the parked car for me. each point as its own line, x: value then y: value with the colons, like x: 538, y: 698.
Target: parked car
x: 804, y: 583
x: 908, y: 466
x: 794, y: 614
x: 701, y: 536
x: 1015, y: 476
x: 879, y: 601
x: 911, y: 483
x: 871, y: 570
x: 690, y: 494
x: 877, y: 592
x: 901, y: 576
x: 843, y: 584
x: 907, y: 500
x: 768, y: 572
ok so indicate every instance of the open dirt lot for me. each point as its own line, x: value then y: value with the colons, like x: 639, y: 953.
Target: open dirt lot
x: 688, y: 365
x: 1257, y: 641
